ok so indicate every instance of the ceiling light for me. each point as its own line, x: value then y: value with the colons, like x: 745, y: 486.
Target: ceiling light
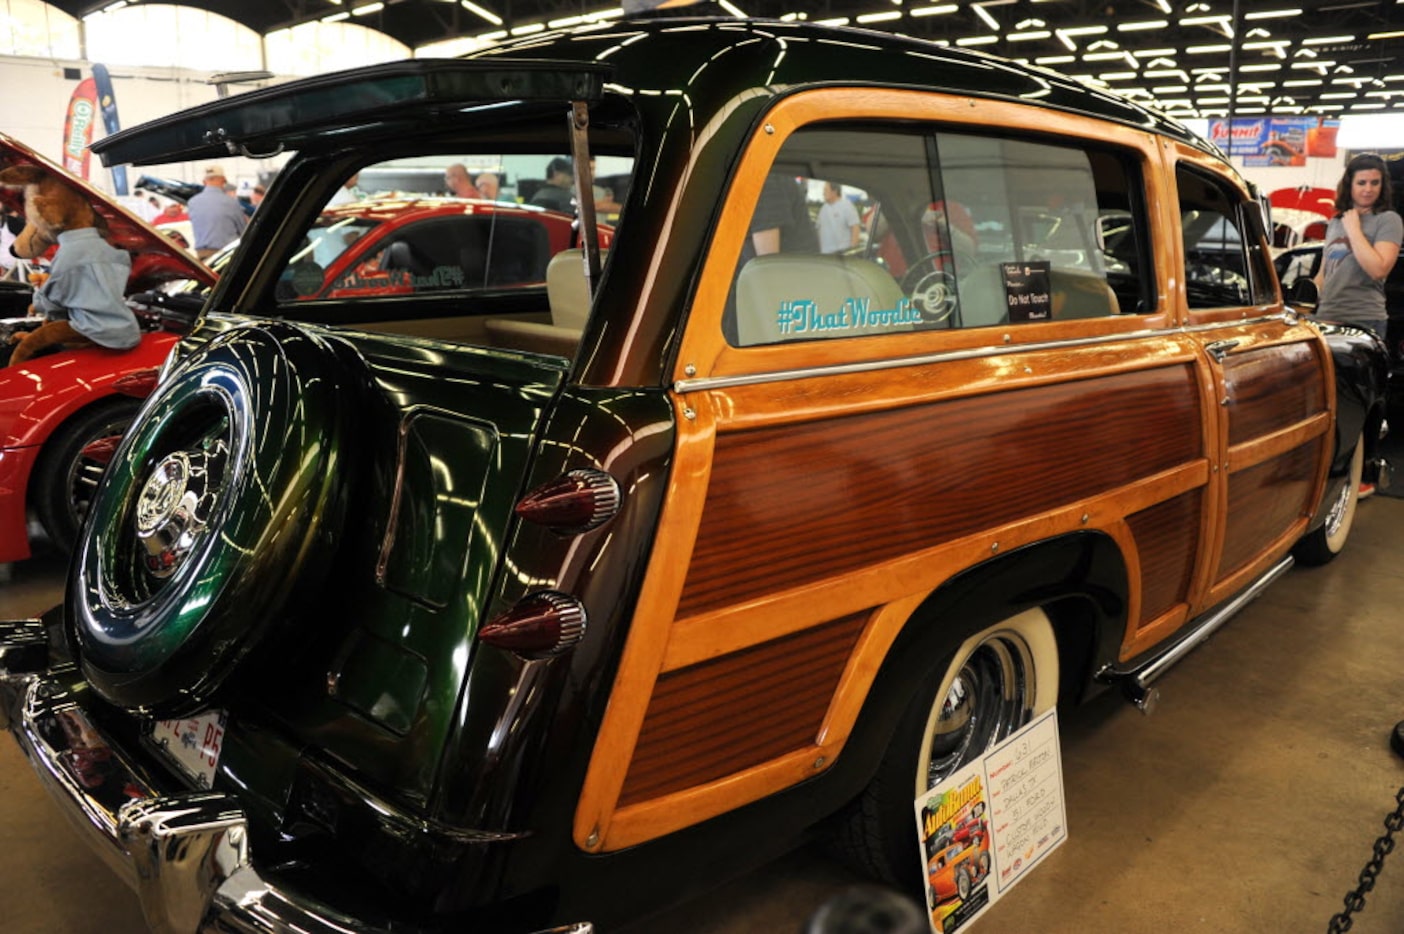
x: 336, y: 17
x: 990, y: 21
x: 1207, y: 49
x: 368, y: 9
x: 1102, y: 56
x: 1339, y: 96
x: 1361, y: 106
x: 1025, y: 36
x: 937, y: 10
x: 1170, y: 89
x: 486, y: 14
x: 1327, y: 40
x: 1396, y: 34
x: 1143, y: 24
x: 1084, y: 30
x: 834, y: 21
x: 1270, y: 66
x: 1055, y: 60
x: 977, y: 40
x: 1219, y: 20
x: 875, y: 17
x: 527, y: 29
x: 1272, y: 14
x: 1302, y: 83
x: 1118, y: 76
x: 732, y: 9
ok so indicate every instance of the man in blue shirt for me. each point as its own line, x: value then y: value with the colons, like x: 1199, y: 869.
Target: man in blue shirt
x: 216, y: 218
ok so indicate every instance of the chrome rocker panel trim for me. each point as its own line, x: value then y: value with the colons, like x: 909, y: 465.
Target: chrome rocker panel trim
x: 186, y: 855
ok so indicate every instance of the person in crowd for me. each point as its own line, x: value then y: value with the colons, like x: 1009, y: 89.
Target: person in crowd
x: 781, y: 222
x: 555, y: 193
x: 256, y: 196
x: 489, y: 186
x: 460, y: 185
x: 216, y: 219
x: 348, y: 192
x: 839, y: 227
x: 1362, y: 243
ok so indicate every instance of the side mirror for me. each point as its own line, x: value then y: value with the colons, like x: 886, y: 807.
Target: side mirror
x: 1303, y: 292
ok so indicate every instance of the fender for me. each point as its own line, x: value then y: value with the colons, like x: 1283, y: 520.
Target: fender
x: 1362, y: 373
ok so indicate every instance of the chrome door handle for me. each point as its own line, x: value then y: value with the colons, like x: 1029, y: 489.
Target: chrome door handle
x: 1220, y: 349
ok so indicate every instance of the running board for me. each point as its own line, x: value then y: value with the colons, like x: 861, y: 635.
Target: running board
x: 1136, y: 682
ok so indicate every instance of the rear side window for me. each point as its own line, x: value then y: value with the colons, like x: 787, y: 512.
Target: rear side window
x: 864, y: 231
x: 1225, y: 265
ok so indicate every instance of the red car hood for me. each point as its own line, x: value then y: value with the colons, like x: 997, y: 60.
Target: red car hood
x: 155, y: 259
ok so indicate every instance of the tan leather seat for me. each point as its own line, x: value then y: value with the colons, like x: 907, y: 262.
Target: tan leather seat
x: 1080, y: 294
x: 808, y: 296
x: 569, y: 300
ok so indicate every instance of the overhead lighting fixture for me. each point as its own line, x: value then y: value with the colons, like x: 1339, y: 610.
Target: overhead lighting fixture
x: 1143, y: 24
x: 1270, y: 66
x: 1026, y: 36
x: 1084, y: 30
x: 1272, y: 14
x: 485, y: 13
x: 1207, y: 49
x: 1335, y: 96
x: 732, y: 9
x: 336, y: 17
x: 1375, y: 36
x: 1056, y: 60
x: 832, y: 21
x: 1102, y: 56
x: 1328, y: 40
x: 984, y: 14
x: 1302, y: 83
x: 527, y: 29
x: 976, y: 40
x: 939, y: 9
x: 1118, y: 76
x: 1170, y: 89
x: 873, y: 17
x: 367, y: 10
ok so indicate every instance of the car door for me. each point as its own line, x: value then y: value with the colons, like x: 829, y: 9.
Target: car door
x: 1269, y: 373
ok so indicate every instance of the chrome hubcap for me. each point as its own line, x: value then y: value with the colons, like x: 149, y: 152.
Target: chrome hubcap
x: 991, y: 696
x: 174, y: 508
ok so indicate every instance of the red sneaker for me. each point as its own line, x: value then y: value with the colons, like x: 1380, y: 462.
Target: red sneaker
x: 1367, y: 490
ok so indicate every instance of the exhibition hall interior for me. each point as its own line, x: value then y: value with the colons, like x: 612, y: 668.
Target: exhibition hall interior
x: 706, y: 466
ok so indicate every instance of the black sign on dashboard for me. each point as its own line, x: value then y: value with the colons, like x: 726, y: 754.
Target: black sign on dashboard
x: 1026, y: 290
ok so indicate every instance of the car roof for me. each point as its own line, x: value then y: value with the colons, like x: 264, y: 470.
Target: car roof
x: 700, y: 65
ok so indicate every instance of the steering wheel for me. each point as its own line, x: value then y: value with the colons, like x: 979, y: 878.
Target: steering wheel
x: 931, y: 287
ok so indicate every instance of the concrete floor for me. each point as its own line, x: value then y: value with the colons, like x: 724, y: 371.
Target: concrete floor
x: 1247, y: 803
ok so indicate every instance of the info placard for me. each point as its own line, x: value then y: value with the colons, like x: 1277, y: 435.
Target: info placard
x: 987, y: 825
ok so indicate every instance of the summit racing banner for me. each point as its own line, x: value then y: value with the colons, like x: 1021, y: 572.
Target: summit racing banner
x: 1265, y: 141
x: 78, y: 127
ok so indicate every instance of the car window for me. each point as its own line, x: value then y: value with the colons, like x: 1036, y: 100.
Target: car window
x: 422, y: 225
x: 1225, y: 264
x: 864, y: 231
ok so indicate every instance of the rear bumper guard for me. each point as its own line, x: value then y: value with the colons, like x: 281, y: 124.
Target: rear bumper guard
x: 185, y: 854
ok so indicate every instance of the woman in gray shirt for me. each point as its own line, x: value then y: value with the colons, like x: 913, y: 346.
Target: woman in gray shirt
x: 1362, y: 243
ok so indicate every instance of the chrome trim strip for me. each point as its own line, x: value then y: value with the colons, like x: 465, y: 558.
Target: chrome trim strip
x: 1142, y: 677
x: 701, y: 384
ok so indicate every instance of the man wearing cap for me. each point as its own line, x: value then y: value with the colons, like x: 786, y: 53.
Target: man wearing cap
x: 216, y: 218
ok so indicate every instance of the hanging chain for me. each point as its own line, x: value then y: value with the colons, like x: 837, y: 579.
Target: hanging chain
x: 1354, y: 901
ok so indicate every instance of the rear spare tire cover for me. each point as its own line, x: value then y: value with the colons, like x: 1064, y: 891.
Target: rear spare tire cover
x: 216, y: 506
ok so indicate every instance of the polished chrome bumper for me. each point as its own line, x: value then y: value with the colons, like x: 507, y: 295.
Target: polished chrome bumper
x: 186, y: 854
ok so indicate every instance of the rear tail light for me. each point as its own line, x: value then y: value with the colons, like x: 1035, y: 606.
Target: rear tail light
x: 577, y: 501
x: 543, y: 624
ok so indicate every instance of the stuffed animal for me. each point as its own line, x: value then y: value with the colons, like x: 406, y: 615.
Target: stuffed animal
x: 82, y: 301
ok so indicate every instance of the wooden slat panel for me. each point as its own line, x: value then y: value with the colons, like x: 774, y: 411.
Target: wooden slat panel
x: 1166, y: 537
x: 720, y: 717
x: 1265, y: 500
x: 1272, y: 388
x: 801, y: 503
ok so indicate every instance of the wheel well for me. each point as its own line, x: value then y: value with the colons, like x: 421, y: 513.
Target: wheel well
x: 110, y: 401
x: 1080, y: 583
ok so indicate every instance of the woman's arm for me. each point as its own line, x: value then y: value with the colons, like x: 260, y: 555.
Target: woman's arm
x: 1375, y: 259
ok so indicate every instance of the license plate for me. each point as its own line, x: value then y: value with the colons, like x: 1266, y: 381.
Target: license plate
x: 192, y: 744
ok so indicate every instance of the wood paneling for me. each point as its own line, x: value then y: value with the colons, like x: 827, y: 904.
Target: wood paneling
x: 1166, y: 539
x: 1272, y: 388
x: 795, y: 504
x: 1264, y: 501
x: 723, y: 716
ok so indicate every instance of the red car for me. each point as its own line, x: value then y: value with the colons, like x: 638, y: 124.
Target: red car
x: 55, y: 406
x: 58, y: 412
